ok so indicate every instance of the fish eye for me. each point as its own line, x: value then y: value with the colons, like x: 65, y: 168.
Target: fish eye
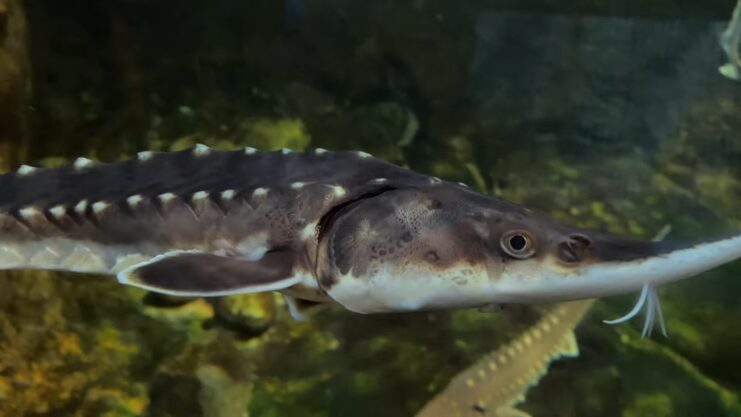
x: 518, y: 244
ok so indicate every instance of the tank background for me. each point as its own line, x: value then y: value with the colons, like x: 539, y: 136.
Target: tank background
x: 107, y: 79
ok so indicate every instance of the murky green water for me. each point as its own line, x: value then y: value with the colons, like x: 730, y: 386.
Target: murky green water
x: 609, y: 116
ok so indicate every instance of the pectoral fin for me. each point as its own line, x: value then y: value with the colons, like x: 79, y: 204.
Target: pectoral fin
x: 301, y: 310
x: 197, y: 274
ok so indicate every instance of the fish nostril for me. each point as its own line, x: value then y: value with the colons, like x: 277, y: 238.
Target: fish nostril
x: 567, y: 252
x: 577, y: 240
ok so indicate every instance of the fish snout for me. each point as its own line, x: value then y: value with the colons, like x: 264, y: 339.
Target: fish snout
x: 586, y: 247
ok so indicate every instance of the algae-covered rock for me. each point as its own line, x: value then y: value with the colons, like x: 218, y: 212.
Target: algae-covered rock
x: 249, y: 314
x: 65, y: 352
x: 643, y: 377
x: 272, y: 135
x: 221, y: 395
x: 656, y: 405
x: 209, y: 377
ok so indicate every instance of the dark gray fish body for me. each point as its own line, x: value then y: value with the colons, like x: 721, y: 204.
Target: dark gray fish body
x: 318, y: 225
x: 103, y: 218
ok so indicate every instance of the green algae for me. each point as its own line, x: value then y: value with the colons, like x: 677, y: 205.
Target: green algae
x: 656, y: 405
x: 249, y: 314
x: 188, y: 318
x: 270, y: 135
x: 220, y: 395
x: 49, y: 355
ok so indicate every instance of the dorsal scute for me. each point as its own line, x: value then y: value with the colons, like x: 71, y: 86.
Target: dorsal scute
x: 192, y: 176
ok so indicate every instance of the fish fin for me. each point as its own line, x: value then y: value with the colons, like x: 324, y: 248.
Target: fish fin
x: 567, y: 347
x: 301, y: 310
x: 198, y: 274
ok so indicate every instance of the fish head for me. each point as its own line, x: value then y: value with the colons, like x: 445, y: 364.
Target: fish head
x: 446, y: 246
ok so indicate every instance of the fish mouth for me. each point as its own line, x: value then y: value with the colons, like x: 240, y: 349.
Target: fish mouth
x: 600, y: 265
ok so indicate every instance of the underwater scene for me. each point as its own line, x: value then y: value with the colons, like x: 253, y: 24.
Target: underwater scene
x: 619, y: 118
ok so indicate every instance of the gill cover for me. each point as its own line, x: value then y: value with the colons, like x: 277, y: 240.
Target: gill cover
x: 401, y: 250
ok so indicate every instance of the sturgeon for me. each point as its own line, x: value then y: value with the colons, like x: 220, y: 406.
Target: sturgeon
x: 499, y: 381
x: 320, y: 226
